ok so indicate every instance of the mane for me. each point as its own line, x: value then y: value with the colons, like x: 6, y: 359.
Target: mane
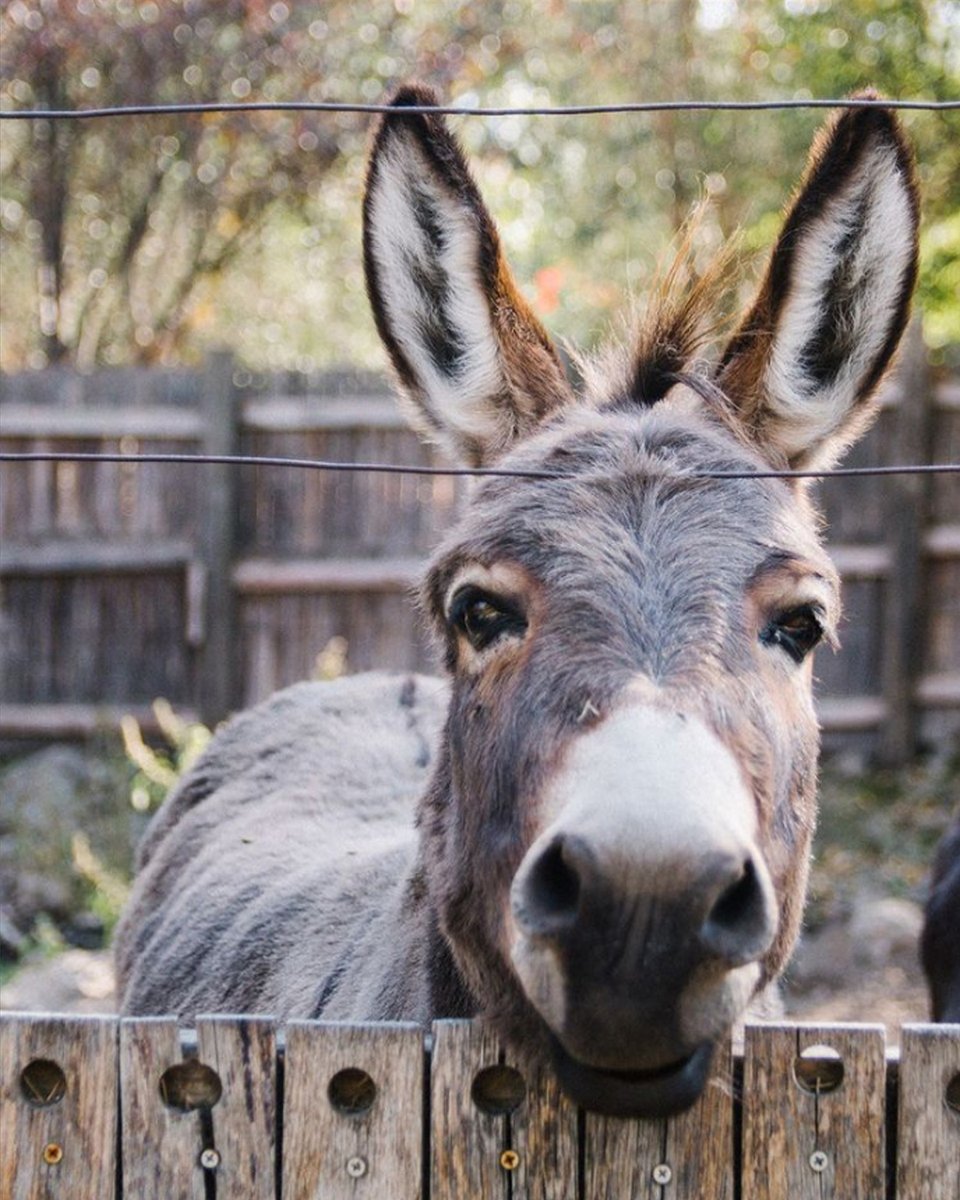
x: 688, y: 310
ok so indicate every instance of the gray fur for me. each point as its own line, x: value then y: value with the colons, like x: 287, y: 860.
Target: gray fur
x: 278, y: 851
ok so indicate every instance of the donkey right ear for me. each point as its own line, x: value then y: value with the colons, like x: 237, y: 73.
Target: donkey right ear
x: 804, y: 366
x: 472, y: 358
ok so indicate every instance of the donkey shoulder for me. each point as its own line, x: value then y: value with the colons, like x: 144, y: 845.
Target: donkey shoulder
x: 261, y: 875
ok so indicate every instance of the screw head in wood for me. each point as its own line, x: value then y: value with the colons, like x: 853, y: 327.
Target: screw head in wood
x: 210, y: 1159
x: 356, y: 1167
x: 509, y: 1160
x: 819, y: 1161
x: 662, y: 1173
x: 52, y: 1154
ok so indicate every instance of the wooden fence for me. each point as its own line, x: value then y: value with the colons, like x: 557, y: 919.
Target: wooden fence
x: 212, y: 586
x: 241, y: 1108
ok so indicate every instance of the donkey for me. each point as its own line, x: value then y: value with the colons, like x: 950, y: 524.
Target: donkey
x: 940, y: 940
x: 616, y: 788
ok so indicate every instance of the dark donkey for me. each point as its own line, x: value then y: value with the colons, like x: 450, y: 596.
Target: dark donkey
x: 617, y: 791
x: 940, y: 943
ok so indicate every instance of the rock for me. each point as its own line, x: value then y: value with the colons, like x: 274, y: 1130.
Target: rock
x: 86, y: 931
x: 886, y: 931
x: 880, y: 932
x: 45, y: 800
x: 76, y: 981
x: 13, y: 941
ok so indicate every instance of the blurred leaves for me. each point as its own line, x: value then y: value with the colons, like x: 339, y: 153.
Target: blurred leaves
x: 159, y: 770
x: 152, y: 239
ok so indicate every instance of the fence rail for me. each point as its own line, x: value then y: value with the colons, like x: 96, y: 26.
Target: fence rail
x: 212, y: 586
x: 245, y: 1109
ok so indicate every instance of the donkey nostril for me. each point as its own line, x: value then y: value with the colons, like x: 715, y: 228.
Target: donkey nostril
x: 741, y: 923
x: 549, y: 897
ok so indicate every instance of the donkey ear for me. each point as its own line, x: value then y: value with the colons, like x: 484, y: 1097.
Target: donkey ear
x: 472, y: 358
x: 809, y: 354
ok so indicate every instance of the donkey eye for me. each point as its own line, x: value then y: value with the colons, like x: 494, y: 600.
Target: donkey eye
x: 797, y: 631
x: 483, y: 618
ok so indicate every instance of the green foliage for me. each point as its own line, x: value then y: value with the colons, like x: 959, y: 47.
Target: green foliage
x: 939, y: 290
x: 157, y: 771
x: 879, y: 829
x: 106, y: 890
x: 244, y: 230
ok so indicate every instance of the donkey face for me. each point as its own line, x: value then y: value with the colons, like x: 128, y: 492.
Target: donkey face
x: 616, y: 838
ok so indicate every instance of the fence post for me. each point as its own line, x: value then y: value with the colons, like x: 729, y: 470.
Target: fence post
x: 903, y: 628
x: 217, y: 658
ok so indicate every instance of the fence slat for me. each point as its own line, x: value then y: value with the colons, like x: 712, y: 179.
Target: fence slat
x: 375, y: 1151
x: 904, y: 629
x: 217, y: 537
x: 799, y: 1144
x: 543, y: 1133
x: 928, y: 1138
x: 62, y: 1148
x: 487, y: 1138
x: 161, y: 1145
x: 243, y: 1052
x: 687, y: 1157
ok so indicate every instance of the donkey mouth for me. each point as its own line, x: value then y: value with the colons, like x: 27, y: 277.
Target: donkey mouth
x: 660, y: 1092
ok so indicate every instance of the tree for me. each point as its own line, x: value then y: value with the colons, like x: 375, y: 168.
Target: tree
x: 149, y: 239
x: 125, y: 219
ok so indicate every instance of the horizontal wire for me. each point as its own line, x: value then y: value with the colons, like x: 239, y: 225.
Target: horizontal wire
x: 456, y: 110
x: 312, y: 464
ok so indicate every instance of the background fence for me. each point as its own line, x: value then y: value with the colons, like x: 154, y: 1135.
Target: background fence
x: 214, y: 585
x: 243, y: 1109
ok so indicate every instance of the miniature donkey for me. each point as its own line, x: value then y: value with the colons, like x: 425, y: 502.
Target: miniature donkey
x: 608, y: 856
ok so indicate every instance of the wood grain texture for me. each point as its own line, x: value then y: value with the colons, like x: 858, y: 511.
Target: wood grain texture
x: 783, y: 1125
x: 161, y: 1146
x: 467, y: 1143
x: 928, y: 1138
x: 908, y: 500
x: 370, y: 1155
x: 243, y: 1052
x: 80, y: 1128
x: 697, y: 1147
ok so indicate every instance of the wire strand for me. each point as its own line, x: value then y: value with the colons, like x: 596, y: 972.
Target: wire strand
x: 458, y: 110
x: 311, y: 464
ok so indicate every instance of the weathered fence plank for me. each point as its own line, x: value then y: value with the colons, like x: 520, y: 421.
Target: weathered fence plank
x: 58, y: 1108
x: 496, y: 1131
x: 907, y: 516
x: 161, y: 1144
x: 383, y: 1111
x: 808, y: 1130
x: 685, y: 1158
x: 353, y: 1111
x: 217, y: 536
x: 243, y: 1052
x: 928, y: 1120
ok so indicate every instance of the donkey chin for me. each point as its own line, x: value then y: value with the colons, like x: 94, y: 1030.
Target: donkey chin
x: 641, y: 915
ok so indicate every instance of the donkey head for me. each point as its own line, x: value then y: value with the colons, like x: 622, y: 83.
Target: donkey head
x: 616, y: 838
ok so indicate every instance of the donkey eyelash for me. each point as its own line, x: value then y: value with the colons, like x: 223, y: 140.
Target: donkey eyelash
x: 483, y: 618
x: 797, y: 630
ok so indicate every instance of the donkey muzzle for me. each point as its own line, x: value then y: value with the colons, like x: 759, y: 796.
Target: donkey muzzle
x: 642, y: 912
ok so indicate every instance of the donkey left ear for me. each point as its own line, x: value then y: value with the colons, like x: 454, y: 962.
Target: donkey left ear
x: 476, y: 365
x: 806, y: 360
